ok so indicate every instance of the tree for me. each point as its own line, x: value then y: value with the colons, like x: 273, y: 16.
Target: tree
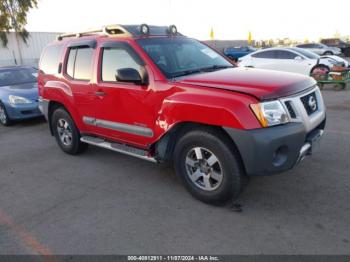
x: 13, y: 16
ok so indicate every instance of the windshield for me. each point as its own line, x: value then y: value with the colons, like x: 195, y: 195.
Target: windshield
x: 17, y: 76
x: 182, y: 56
x: 306, y: 53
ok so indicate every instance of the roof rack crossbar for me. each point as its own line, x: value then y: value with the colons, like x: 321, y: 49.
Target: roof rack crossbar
x: 109, y: 30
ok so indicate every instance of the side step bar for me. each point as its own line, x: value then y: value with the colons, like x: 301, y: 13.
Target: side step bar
x: 120, y: 148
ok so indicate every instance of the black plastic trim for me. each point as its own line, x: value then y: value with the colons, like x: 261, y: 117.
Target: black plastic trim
x: 81, y: 43
x: 258, y: 147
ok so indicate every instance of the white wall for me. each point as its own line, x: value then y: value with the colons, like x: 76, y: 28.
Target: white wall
x: 30, y: 52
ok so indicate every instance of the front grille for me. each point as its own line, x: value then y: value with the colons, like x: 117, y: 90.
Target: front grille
x: 290, y: 109
x: 310, y: 103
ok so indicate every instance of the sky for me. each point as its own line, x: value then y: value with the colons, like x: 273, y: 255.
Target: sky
x: 265, y: 19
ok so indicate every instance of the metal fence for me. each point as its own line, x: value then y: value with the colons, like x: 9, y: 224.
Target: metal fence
x: 18, y: 52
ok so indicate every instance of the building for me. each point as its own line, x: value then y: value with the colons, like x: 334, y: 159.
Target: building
x: 18, y: 52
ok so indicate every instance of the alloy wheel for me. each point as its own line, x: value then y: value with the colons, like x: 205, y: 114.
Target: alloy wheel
x: 204, y: 168
x: 3, y: 117
x: 64, y: 132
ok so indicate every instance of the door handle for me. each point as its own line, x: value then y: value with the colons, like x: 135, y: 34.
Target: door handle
x: 100, y: 93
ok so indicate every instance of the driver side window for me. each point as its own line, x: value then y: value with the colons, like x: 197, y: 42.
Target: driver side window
x: 114, y: 59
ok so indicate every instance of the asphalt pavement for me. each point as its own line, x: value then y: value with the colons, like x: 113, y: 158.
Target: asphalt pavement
x: 103, y: 202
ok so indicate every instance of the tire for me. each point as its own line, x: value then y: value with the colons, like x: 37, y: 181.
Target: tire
x: 197, y: 174
x: 66, y: 133
x: 4, y: 118
x: 328, y: 53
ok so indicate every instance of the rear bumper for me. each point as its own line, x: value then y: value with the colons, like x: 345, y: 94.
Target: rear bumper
x: 44, y: 107
x: 274, y: 150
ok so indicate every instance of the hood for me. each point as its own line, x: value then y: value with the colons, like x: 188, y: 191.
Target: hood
x: 262, y: 84
x: 27, y: 90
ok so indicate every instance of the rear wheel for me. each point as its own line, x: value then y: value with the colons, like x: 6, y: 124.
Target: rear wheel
x: 66, y: 133
x: 328, y: 53
x: 4, y: 118
x: 209, y: 166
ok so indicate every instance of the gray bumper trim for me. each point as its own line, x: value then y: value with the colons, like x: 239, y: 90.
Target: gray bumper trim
x: 44, y: 107
x: 273, y: 150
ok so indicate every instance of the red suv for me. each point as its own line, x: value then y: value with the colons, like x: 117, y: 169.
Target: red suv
x: 150, y: 92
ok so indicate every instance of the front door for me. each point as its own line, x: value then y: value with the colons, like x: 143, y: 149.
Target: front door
x: 124, y: 111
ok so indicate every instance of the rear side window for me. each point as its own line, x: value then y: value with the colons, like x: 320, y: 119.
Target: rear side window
x: 114, y: 59
x: 79, y: 63
x: 265, y: 54
x: 50, y: 60
x: 281, y: 54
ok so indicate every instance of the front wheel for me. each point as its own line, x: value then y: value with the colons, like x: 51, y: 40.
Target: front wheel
x: 209, y: 166
x: 4, y: 118
x: 66, y: 133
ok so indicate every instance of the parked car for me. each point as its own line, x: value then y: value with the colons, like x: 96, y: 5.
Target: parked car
x: 336, y: 60
x: 288, y: 59
x: 236, y: 52
x: 152, y: 93
x: 336, y: 42
x: 18, y: 94
x: 321, y: 49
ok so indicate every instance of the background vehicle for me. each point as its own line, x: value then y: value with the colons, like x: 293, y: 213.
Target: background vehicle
x: 321, y: 49
x: 18, y: 94
x: 289, y: 59
x: 151, y: 93
x: 236, y: 52
x: 336, y: 42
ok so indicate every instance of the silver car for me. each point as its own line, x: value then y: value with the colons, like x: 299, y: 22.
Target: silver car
x: 321, y: 49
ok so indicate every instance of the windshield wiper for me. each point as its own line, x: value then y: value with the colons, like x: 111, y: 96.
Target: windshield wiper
x: 215, y: 67
x: 186, y: 72
x: 201, y: 70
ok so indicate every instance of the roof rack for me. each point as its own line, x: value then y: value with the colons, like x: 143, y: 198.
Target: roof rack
x: 125, y: 30
x: 106, y: 30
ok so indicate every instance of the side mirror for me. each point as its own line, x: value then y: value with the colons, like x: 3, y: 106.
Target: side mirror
x: 131, y: 75
x: 298, y: 58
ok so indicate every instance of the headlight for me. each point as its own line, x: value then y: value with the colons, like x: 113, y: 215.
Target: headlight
x: 270, y: 113
x: 15, y: 100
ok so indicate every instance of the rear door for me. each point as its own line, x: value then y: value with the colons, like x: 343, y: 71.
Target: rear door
x: 78, y: 73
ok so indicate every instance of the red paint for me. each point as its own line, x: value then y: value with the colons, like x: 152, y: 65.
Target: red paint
x: 220, y: 98
x: 27, y: 239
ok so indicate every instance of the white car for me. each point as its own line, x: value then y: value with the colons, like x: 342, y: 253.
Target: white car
x: 288, y: 59
x: 321, y: 49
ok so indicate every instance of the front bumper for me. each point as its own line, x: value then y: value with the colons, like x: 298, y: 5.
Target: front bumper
x: 23, y: 111
x: 268, y: 151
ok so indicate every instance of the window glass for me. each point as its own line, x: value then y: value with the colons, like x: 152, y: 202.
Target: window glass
x: 285, y: 55
x: 114, y: 59
x: 50, y: 59
x: 79, y: 63
x: 182, y: 56
x: 83, y: 64
x: 271, y: 54
x: 17, y: 76
x: 305, y: 53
